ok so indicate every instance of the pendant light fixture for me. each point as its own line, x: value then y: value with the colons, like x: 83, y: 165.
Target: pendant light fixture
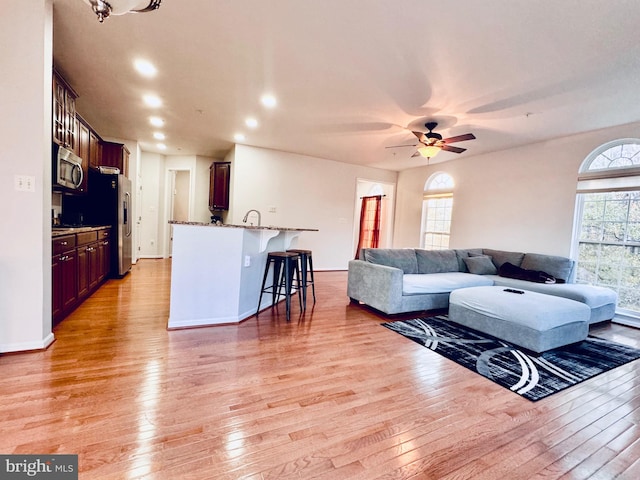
x: 104, y: 8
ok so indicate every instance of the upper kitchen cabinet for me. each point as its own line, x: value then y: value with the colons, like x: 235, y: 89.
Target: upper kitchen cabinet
x: 64, y: 114
x: 95, y: 149
x: 115, y: 155
x: 83, y: 149
x: 219, y: 177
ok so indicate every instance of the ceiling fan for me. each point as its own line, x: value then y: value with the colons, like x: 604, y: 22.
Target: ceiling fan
x: 431, y: 143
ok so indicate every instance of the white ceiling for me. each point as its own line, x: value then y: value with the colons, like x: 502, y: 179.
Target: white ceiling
x: 352, y: 76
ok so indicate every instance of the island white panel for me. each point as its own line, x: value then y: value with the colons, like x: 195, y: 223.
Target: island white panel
x: 206, y: 269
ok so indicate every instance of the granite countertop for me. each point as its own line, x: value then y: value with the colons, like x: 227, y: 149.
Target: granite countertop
x: 248, y: 227
x: 60, y: 231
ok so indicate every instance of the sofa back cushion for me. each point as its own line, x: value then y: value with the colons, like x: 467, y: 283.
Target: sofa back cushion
x: 437, y: 261
x: 402, y: 258
x: 559, y: 267
x: 501, y: 256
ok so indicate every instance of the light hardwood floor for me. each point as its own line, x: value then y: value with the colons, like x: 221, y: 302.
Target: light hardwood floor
x: 330, y: 395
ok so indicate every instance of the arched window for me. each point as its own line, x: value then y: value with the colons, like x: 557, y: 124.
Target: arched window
x: 607, y: 233
x: 436, y: 212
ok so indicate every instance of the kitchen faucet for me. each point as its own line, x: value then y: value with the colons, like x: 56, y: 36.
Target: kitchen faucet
x: 244, y: 220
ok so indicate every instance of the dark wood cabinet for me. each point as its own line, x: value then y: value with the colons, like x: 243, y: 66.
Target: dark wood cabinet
x: 87, y: 262
x: 104, y: 255
x: 64, y: 276
x: 95, y: 150
x: 219, y: 179
x: 80, y: 264
x: 115, y: 155
x: 64, y: 114
x: 83, y: 272
x: 83, y: 151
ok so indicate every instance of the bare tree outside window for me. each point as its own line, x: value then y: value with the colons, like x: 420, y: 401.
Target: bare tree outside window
x: 608, y: 233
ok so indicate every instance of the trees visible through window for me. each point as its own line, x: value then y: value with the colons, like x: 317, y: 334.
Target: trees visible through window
x: 608, y: 227
x: 436, y: 212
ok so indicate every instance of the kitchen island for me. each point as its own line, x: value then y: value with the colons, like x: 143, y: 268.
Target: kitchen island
x: 217, y: 270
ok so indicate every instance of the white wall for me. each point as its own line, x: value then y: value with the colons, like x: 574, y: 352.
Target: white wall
x: 154, y: 211
x: 152, y: 180
x: 306, y: 192
x: 25, y: 134
x: 520, y: 199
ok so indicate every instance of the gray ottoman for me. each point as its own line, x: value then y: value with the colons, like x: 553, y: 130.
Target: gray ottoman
x: 531, y: 320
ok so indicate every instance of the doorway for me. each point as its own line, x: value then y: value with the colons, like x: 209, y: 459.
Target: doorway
x: 366, y: 188
x: 179, y: 200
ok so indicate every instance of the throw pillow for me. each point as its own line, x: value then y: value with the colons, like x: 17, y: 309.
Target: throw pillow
x: 480, y: 265
x: 464, y: 253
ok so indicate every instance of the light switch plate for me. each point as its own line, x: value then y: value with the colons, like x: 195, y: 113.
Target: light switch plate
x: 24, y: 183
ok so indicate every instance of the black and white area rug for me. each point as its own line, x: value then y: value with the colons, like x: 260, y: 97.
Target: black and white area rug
x: 534, y: 377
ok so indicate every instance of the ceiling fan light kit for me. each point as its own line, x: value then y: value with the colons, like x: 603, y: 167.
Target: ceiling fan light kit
x: 429, y: 151
x: 103, y: 9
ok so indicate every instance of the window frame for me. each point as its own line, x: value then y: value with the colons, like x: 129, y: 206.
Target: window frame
x: 603, y: 180
x: 434, y: 191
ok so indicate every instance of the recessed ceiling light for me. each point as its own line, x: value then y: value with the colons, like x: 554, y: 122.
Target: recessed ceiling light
x: 156, y: 121
x: 268, y: 100
x: 145, y: 67
x: 161, y: 146
x: 152, y: 100
x: 251, y: 122
x: 159, y: 135
x: 239, y: 137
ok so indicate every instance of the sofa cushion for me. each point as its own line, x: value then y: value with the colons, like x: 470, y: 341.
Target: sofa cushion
x: 559, y: 267
x: 441, y: 282
x: 436, y: 261
x: 501, y: 256
x: 402, y: 258
x: 462, y: 253
x: 480, y: 265
x: 592, y: 295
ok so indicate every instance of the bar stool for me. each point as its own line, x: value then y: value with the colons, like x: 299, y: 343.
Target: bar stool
x: 306, y: 268
x: 285, y: 264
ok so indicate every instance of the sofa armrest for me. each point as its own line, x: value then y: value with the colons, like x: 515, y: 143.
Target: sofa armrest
x: 378, y: 286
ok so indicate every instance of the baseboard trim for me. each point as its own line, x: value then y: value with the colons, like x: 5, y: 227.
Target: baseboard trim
x: 25, y: 347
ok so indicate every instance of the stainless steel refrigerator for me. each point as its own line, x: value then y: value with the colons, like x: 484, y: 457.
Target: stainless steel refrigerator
x: 110, y: 196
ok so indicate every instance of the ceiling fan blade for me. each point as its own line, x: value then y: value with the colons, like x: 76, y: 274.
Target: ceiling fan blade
x: 420, y: 136
x: 398, y: 146
x: 460, y: 138
x: 417, y: 154
x: 449, y: 148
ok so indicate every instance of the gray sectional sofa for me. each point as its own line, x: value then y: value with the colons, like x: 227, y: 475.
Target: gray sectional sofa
x: 408, y: 280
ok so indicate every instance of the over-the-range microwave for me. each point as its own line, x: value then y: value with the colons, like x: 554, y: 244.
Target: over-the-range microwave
x: 67, y: 169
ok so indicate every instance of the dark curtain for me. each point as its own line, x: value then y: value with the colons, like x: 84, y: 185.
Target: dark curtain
x: 369, y: 223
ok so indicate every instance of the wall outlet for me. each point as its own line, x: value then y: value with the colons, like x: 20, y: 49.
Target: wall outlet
x: 272, y: 209
x: 247, y: 260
